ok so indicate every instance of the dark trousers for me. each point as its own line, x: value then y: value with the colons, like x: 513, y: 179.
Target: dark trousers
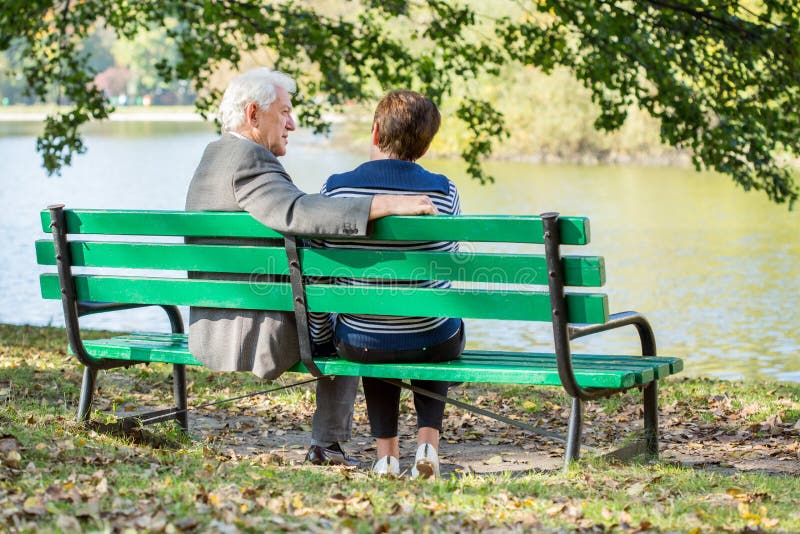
x: 383, y: 399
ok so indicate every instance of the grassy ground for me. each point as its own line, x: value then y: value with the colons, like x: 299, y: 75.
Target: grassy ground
x: 729, y: 462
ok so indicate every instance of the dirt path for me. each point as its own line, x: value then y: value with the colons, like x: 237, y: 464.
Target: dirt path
x: 721, y: 427
x: 503, y: 448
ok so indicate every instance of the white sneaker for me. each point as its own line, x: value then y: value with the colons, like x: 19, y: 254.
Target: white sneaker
x: 426, y: 462
x: 388, y: 465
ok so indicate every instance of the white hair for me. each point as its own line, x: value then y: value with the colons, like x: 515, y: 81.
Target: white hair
x: 254, y: 86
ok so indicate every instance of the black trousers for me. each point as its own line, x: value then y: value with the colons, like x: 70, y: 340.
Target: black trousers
x: 383, y: 399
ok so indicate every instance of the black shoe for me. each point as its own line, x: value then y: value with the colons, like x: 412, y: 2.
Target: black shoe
x: 333, y: 455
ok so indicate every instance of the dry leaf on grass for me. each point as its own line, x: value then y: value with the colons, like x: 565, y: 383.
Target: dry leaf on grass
x: 33, y: 506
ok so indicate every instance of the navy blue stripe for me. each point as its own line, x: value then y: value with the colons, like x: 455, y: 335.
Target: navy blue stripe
x: 390, y: 174
x: 397, y: 341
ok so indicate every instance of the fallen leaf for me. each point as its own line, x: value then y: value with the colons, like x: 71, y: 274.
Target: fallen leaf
x: 625, y: 517
x: 33, y: 506
x: 88, y: 509
x: 65, y: 445
x: 153, y: 523
x: 12, y: 459
x: 733, y: 492
x: 67, y: 523
x: 494, y: 460
x: 8, y: 443
x: 187, y: 523
x: 636, y: 489
x: 745, y: 513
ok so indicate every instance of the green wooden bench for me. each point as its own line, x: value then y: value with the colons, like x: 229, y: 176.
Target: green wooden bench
x: 504, y: 286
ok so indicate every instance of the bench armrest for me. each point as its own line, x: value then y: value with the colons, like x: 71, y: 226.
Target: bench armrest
x: 89, y: 308
x: 173, y: 313
x: 617, y: 320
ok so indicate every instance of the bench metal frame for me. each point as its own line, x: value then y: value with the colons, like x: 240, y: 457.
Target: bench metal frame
x: 563, y: 333
x: 74, y: 310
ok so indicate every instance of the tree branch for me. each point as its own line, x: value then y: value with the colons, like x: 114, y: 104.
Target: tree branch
x: 704, y: 15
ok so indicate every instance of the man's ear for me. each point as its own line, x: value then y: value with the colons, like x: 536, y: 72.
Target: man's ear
x: 250, y: 112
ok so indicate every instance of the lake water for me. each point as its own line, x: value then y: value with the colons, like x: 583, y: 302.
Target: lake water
x: 715, y: 269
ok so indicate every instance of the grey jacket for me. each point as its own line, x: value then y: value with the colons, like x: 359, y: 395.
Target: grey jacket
x: 239, y: 175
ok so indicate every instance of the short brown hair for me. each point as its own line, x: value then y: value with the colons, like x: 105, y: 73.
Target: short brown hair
x: 407, y: 122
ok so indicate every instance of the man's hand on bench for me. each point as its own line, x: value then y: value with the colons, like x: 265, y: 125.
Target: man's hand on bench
x: 383, y: 205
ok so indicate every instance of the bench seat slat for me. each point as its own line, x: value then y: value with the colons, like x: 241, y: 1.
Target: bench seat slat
x: 465, y: 370
x: 587, y: 308
x: 580, y: 271
x: 675, y: 365
x: 662, y: 367
x: 474, y: 366
x: 481, y: 228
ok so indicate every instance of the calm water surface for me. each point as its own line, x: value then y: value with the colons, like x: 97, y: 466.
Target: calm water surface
x: 715, y: 269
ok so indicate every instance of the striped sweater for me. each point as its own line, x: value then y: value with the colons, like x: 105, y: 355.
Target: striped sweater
x: 382, y: 332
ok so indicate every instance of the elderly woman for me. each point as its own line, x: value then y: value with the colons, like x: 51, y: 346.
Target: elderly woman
x: 404, y: 125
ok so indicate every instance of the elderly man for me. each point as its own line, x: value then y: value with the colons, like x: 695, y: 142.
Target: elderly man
x: 241, y: 172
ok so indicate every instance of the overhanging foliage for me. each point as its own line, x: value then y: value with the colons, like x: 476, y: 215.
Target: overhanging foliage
x: 722, y: 76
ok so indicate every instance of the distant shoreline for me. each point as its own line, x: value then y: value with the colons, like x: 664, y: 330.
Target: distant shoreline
x: 124, y: 114
x: 343, y: 141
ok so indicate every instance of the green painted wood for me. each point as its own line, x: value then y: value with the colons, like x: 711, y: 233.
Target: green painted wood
x: 170, y: 256
x: 164, y: 223
x: 588, y: 308
x: 178, y: 291
x: 591, y: 370
x: 466, y: 370
x: 482, y: 228
x: 580, y: 271
x: 645, y: 367
x: 138, y: 350
x: 654, y: 367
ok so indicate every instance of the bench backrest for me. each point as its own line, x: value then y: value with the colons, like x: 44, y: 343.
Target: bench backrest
x: 499, y: 285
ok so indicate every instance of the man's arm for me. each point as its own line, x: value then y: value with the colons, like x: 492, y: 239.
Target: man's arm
x: 263, y: 188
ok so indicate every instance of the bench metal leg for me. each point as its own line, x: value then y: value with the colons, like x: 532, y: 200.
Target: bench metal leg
x: 87, y: 393
x: 179, y: 390
x: 574, y: 432
x: 650, y: 400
